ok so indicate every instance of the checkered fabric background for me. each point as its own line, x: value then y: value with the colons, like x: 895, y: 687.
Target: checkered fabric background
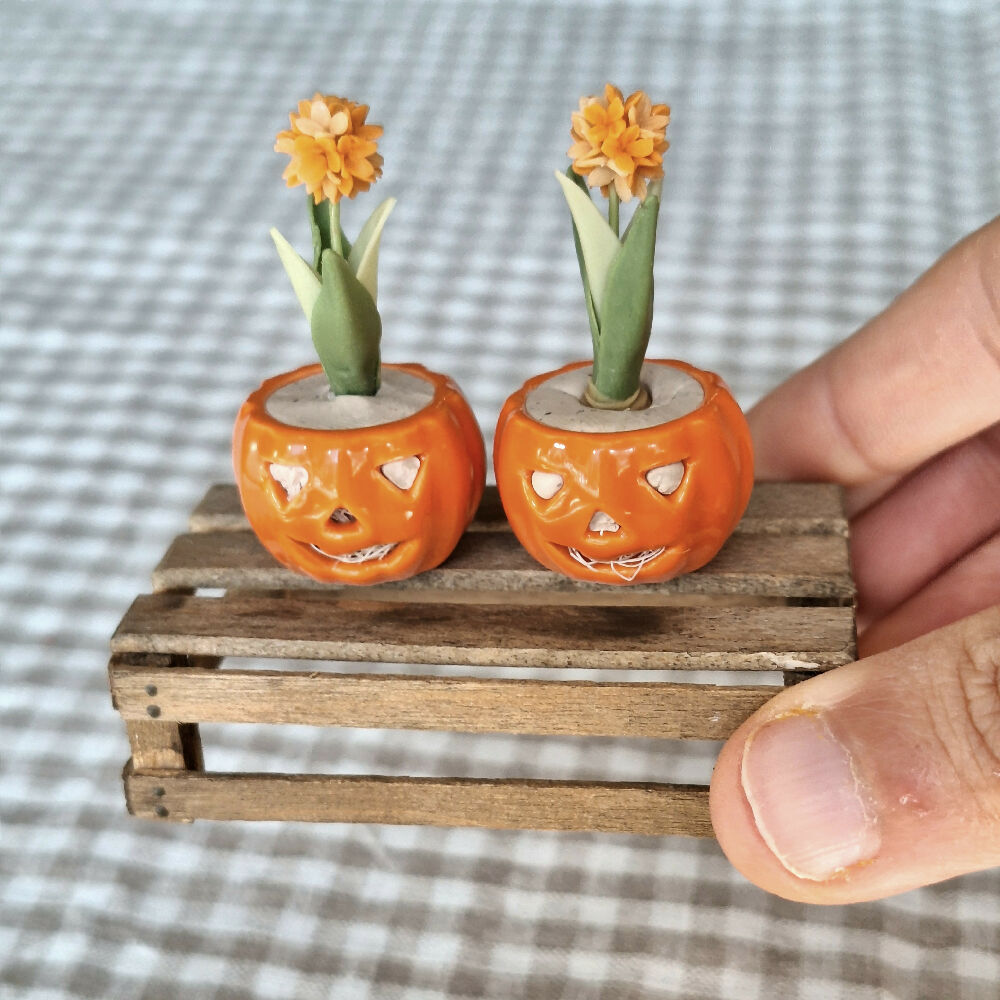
x: 823, y: 155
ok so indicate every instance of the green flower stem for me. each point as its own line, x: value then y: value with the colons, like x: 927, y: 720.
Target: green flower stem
x: 327, y: 234
x: 613, y: 211
x: 336, y: 243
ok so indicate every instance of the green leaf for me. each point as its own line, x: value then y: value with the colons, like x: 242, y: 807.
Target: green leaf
x: 595, y: 326
x: 327, y: 234
x: 363, y: 258
x: 319, y: 223
x: 598, y: 244
x: 304, y: 279
x: 626, y: 316
x: 346, y: 330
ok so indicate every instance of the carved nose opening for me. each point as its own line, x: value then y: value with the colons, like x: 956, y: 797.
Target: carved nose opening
x: 602, y: 522
x: 342, y: 516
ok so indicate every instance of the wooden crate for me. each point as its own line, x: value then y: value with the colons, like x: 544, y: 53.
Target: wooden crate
x: 779, y: 597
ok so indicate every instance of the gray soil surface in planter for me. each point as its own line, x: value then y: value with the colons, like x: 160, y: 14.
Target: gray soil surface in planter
x: 557, y: 402
x: 309, y: 403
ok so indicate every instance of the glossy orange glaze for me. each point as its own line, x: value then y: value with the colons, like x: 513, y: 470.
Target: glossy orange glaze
x: 422, y: 523
x: 605, y: 471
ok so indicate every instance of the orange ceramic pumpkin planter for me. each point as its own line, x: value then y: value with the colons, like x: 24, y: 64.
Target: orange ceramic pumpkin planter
x: 361, y: 505
x: 630, y: 506
x: 351, y: 471
x: 624, y: 470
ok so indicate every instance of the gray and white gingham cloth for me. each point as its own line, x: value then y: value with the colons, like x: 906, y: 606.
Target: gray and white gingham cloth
x: 822, y: 156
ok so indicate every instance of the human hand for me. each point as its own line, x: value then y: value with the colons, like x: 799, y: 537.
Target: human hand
x: 884, y: 775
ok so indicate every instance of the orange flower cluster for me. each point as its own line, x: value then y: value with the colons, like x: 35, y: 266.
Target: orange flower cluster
x: 332, y: 149
x: 619, y: 141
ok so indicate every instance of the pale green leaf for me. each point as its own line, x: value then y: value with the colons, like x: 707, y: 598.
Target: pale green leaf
x: 598, y: 243
x: 304, y: 279
x: 595, y: 325
x: 363, y: 258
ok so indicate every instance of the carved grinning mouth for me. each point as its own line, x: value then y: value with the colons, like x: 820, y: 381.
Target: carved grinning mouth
x: 368, y: 554
x: 625, y: 567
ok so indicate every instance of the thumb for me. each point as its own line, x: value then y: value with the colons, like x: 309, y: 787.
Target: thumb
x: 876, y: 778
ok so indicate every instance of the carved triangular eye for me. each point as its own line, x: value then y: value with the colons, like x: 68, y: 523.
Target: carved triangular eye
x: 402, y: 472
x: 292, y: 478
x: 666, y: 478
x: 546, y: 484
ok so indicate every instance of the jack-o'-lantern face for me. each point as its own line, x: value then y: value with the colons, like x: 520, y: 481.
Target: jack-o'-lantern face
x: 634, y: 506
x: 366, y: 505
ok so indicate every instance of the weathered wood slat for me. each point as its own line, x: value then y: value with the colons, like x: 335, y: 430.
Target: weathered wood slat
x: 772, y: 565
x: 730, y: 638
x: 157, y: 742
x: 460, y: 704
x: 605, y: 807
x: 774, y: 509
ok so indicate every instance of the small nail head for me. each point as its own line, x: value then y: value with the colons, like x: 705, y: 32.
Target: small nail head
x: 153, y: 711
x: 162, y: 811
x: 150, y: 689
x: 159, y: 792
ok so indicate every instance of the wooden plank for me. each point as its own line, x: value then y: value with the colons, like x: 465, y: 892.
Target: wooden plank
x: 156, y: 744
x: 156, y: 741
x: 347, y: 628
x: 769, y: 565
x: 460, y: 704
x: 604, y: 807
x: 795, y: 509
x: 774, y: 508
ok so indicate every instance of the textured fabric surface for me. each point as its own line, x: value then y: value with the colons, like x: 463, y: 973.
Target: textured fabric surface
x: 822, y: 156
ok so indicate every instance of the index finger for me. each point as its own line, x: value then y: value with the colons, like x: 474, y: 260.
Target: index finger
x: 918, y: 378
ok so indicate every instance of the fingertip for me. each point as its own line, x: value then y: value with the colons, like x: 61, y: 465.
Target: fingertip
x: 786, y: 813
x: 873, y: 779
x: 739, y: 836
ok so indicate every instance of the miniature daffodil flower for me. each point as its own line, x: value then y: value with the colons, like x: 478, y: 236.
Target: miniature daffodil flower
x: 619, y: 143
x: 333, y: 151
